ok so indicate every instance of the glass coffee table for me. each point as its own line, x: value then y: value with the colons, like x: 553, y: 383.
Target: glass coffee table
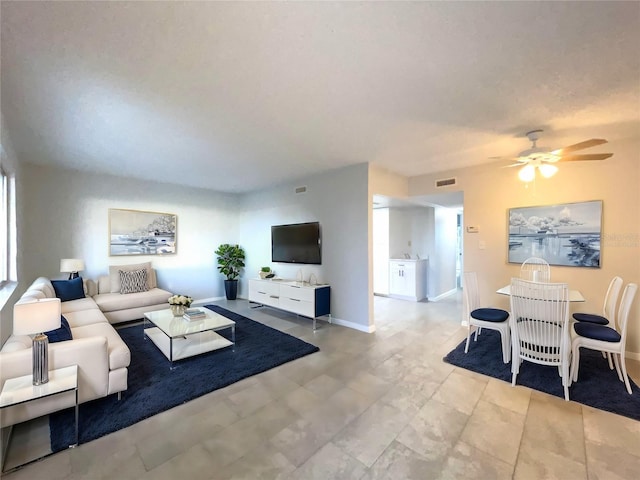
x: 179, y: 338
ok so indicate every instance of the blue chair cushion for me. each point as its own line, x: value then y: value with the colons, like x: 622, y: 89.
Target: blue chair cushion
x: 597, y: 332
x: 60, y: 334
x: 67, y: 290
x: 490, y: 314
x: 591, y: 318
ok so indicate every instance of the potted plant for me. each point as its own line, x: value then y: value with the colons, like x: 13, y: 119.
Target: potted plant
x: 230, y: 261
x: 264, y: 271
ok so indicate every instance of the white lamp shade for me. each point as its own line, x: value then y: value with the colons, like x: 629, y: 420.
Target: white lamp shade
x: 68, y: 265
x: 527, y: 173
x: 547, y: 170
x: 36, y: 317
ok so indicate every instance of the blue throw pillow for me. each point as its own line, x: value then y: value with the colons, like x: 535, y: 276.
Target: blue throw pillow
x: 60, y: 334
x: 67, y: 290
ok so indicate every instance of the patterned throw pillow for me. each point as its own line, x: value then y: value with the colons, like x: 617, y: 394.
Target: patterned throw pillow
x: 133, y: 281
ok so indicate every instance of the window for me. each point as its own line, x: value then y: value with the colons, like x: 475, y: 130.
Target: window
x: 7, y: 228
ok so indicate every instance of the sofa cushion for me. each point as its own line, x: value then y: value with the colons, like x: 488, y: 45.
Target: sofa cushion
x: 43, y: 284
x: 114, y: 275
x: 110, y: 302
x: 80, y: 318
x: 86, y: 303
x: 119, y: 354
x: 67, y: 290
x: 133, y: 281
x: 61, y: 334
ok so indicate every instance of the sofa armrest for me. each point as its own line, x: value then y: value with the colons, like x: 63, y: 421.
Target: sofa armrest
x: 90, y: 354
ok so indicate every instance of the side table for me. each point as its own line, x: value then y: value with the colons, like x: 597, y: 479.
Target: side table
x: 21, y: 390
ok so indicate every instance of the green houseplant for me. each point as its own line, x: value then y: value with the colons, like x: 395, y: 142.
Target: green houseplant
x: 264, y: 271
x: 230, y: 262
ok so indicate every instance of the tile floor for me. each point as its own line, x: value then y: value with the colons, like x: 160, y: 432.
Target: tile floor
x: 367, y: 406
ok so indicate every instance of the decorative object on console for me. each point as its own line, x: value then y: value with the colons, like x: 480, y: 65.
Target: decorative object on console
x: 179, y: 303
x: 38, y: 317
x: 71, y: 266
x: 566, y: 234
x: 230, y: 262
x: 136, y: 232
x: 264, y: 272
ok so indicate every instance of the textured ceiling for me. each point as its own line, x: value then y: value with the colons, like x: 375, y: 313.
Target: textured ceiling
x: 239, y: 96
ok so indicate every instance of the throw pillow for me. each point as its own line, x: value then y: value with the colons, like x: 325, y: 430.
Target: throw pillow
x: 61, y: 334
x: 114, y: 274
x: 67, y: 290
x: 133, y: 281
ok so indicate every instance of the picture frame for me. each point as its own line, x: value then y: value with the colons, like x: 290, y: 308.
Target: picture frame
x: 139, y: 232
x: 566, y: 234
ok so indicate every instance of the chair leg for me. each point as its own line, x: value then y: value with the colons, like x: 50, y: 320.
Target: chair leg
x: 623, y: 365
x: 575, y: 363
x: 478, y: 330
x: 609, y: 359
x: 506, y: 346
x: 616, y: 362
x: 466, y: 347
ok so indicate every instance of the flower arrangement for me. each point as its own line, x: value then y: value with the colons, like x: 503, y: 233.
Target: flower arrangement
x: 178, y: 304
x: 181, y: 300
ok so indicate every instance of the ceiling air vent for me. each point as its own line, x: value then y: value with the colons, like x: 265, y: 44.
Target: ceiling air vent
x: 447, y: 182
x: 300, y: 190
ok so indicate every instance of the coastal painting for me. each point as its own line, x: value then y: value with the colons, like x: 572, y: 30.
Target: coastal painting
x: 567, y: 234
x: 136, y: 232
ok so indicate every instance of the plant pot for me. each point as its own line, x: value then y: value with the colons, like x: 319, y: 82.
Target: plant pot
x: 177, y: 310
x: 231, y: 289
x: 263, y: 275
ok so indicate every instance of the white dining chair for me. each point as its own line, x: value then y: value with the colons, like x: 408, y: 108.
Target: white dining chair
x: 609, y: 307
x: 535, y: 269
x: 604, y: 338
x: 540, y: 327
x: 608, y: 311
x: 479, y: 318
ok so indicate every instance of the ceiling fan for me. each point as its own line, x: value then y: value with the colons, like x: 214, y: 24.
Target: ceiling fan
x: 543, y: 158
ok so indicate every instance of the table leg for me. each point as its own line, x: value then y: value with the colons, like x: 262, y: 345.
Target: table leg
x: 171, y: 353
x: 77, y: 419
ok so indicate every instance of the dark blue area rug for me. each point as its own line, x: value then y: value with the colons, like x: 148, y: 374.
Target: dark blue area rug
x: 597, y: 385
x: 154, y: 388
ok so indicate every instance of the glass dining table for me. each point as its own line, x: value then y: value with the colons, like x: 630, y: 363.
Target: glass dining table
x: 574, y: 295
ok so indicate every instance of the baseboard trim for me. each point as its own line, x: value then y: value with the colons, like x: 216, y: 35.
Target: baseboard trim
x: 443, y: 295
x: 633, y: 355
x: 203, y: 301
x: 355, y: 326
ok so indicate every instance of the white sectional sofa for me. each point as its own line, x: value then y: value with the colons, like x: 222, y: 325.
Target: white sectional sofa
x: 121, y: 308
x: 101, y: 355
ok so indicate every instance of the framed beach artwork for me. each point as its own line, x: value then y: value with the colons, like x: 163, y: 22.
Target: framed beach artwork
x: 137, y: 232
x: 567, y: 234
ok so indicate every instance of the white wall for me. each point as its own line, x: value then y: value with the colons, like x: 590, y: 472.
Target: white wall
x: 442, y: 264
x: 381, y: 251
x: 338, y: 200
x: 67, y: 215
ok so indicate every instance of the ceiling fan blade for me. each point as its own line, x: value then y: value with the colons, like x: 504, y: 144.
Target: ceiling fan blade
x: 579, y: 146
x: 519, y: 164
x: 586, y: 156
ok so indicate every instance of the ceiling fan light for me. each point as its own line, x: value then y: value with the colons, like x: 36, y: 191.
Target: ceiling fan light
x: 547, y: 170
x: 527, y: 173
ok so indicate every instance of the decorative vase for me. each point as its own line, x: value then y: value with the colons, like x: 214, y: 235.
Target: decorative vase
x: 177, y: 310
x: 263, y: 275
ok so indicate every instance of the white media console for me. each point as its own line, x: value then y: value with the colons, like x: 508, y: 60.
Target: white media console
x: 301, y: 298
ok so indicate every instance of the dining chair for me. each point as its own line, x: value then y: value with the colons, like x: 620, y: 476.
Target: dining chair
x: 535, y: 269
x: 540, y: 327
x: 604, y: 338
x: 478, y: 317
x: 609, y: 307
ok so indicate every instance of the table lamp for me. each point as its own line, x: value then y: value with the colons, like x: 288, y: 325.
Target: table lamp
x: 35, y: 318
x: 71, y: 266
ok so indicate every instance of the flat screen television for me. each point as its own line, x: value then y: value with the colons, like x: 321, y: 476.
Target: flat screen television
x: 296, y: 243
